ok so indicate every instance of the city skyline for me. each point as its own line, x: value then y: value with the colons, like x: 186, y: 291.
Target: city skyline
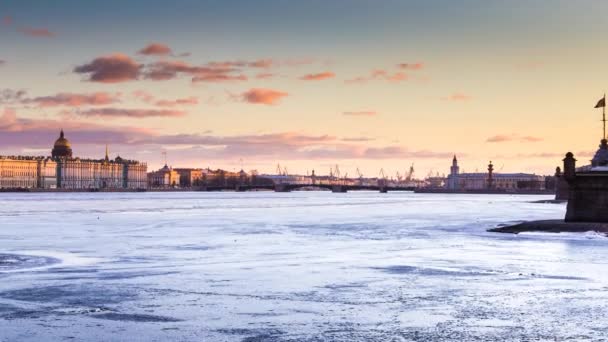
x: 307, y: 85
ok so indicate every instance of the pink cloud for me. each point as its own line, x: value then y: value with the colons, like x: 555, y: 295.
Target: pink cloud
x: 189, y: 101
x: 531, y: 139
x: 165, y: 70
x: 319, y: 76
x: 75, y: 100
x: 37, y: 32
x: 380, y: 75
x: 263, y: 96
x: 459, y: 97
x: 151, y: 99
x: 19, y: 132
x: 143, y: 95
x: 512, y: 137
x: 499, y: 138
x: 156, y: 49
x: 360, y: 113
x: 111, y: 69
x: 264, y: 75
x: 411, y: 66
x: 218, y: 77
x: 7, y: 20
x: 2, y: 62
x: 128, y: 113
x: 262, y: 63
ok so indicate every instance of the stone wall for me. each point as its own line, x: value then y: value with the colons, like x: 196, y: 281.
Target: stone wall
x: 588, y: 197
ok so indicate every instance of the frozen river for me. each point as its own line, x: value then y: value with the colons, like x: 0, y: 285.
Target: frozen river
x: 300, y: 266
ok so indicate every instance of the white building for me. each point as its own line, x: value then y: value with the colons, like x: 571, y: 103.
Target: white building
x: 510, y: 182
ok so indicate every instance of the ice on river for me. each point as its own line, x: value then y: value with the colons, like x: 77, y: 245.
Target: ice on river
x: 300, y: 266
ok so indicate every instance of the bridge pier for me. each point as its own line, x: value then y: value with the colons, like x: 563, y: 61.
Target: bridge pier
x: 338, y: 188
x: 281, y: 188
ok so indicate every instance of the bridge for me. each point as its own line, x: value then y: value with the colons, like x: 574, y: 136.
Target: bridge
x: 287, y: 187
x: 334, y: 182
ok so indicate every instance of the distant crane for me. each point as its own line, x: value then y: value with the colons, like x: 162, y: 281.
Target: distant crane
x: 399, y: 177
x: 409, y: 176
x: 382, y: 180
x: 281, y: 171
x: 360, y: 176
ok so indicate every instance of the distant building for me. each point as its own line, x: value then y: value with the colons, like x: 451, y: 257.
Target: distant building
x: 457, y: 181
x: 189, y: 177
x: 166, y: 177
x: 62, y: 170
x: 27, y: 172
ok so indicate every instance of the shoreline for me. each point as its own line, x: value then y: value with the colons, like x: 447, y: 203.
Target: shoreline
x: 552, y: 226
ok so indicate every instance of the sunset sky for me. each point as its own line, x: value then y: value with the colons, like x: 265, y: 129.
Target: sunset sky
x: 307, y: 84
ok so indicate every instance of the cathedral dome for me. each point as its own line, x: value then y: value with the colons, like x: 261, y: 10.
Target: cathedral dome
x: 62, y: 147
x: 601, y: 156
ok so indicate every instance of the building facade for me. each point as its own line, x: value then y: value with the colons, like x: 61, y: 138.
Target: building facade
x: 165, y: 177
x: 63, y: 171
x: 190, y: 177
x: 510, y: 182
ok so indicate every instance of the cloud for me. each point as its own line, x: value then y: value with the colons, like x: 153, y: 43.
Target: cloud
x: 23, y: 133
x: 218, y: 77
x: 188, y: 101
x: 128, y: 113
x: 391, y: 152
x: 263, y: 96
x: 380, y: 75
x: 157, y: 49
x: 151, y: 99
x: 411, y: 66
x: 358, y: 139
x: 499, y: 138
x: 7, y: 20
x: 264, y: 75
x: 360, y: 113
x: 512, y: 137
x: 111, y: 69
x: 317, y: 77
x: 262, y: 63
x: 166, y: 70
x: 37, y: 32
x: 2, y: 62
x: 11, y: 96
x: 144, y: 96
x: 458, y: 97
x: 531, y: 139
x: 74, y: 100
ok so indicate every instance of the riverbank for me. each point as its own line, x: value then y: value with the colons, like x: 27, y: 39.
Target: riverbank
x: 483, y: 191
x: 552, y: 226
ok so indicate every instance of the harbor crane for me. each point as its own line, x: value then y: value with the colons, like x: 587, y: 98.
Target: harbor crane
x: 360, y: 176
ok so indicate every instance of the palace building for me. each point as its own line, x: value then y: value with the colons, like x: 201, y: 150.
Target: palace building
x: 509, y: 182
x: 62, y: 170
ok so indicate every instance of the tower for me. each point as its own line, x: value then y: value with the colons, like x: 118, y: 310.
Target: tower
x: 454, y: 171
x: 490, y: 175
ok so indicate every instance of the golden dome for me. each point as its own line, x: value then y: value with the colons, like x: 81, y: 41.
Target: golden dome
x: 62, y: 142
x: 62, y: 147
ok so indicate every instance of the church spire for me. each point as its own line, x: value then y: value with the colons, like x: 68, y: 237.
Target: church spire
x: 107, y: 156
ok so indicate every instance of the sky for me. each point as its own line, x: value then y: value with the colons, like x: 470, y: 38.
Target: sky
x: 362, y: 84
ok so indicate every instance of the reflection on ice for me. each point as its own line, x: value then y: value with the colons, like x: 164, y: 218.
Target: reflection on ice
x: 293, y: 267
